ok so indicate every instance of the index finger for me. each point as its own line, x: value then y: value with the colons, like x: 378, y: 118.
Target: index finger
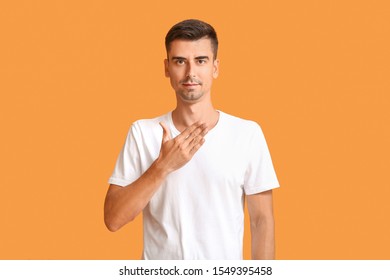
x: 187, y: 132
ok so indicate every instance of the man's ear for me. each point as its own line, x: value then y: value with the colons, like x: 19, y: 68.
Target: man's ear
x: 166, y: 68
x: 216, y: 68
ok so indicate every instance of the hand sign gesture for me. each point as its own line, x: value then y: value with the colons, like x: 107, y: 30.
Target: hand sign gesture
x: 123, y: 204
x: 178, y: 151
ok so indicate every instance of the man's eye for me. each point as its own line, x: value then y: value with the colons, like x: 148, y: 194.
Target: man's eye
x: 202, y: 61
x: 180, y: 62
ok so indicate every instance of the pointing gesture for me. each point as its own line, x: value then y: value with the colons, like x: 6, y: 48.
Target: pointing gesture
x: 176, y: 152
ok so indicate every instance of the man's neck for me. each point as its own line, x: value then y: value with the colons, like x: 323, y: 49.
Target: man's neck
x: 185, y: 115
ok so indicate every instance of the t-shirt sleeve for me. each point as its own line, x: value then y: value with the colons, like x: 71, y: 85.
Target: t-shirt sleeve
x: 128, y: 167
x: 260, y: 175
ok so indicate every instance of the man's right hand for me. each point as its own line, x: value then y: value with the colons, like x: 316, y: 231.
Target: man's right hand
x: 123, y: 204
x: 178, y: 151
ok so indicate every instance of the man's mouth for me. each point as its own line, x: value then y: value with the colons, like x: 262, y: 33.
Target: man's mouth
x: 190, y: 84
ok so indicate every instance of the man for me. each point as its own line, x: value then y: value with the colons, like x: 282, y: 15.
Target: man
x: 191, y: 170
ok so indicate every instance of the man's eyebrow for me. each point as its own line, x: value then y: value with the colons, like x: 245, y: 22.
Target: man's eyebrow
x: 202, y: 57
x: 183, y: 58
x: 178, y: 58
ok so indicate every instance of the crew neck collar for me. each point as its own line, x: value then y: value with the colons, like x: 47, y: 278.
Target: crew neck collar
x: 175, y: 131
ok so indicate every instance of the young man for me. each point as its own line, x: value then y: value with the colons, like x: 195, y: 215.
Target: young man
x: 191, y: 170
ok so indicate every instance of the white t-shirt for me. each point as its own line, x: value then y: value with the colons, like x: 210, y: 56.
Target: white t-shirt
x: 198, y: 212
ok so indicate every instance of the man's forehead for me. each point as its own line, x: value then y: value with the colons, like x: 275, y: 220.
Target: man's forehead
x: 191, y: 47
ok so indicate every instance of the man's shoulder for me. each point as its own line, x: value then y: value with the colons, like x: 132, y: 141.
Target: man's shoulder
x: 239, y: 123
x: 148, y: 127
x: 151, y: 122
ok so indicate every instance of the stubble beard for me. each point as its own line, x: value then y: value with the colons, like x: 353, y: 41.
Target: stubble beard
x: 190, y: 95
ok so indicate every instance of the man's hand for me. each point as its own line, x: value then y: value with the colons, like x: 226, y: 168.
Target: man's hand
x: 178, y: 151
x: 123, y: 204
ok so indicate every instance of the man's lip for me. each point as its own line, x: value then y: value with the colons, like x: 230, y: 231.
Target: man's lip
x: 189, y: 85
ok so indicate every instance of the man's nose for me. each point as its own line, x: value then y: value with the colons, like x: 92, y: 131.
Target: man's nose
x: 190, y: 70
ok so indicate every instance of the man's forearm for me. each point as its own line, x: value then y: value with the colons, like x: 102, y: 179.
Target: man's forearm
x: 123, y: 204
x: 263, y: 239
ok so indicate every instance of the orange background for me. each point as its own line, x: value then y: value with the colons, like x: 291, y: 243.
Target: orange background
x: 75, y: 74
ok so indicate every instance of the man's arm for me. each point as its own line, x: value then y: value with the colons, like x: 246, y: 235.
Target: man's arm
x: 262, y: 225
x: 123, y: 204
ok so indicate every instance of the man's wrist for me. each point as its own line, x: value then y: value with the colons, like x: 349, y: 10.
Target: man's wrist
x: 159, y: 169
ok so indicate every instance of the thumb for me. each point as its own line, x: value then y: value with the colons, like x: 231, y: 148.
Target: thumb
x: 166, y: 135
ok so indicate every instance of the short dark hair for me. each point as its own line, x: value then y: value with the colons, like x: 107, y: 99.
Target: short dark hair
x: 192, y: 30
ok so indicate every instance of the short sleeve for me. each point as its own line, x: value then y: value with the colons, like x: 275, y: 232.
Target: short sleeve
x: 260, y: 175
x: 128, y: 167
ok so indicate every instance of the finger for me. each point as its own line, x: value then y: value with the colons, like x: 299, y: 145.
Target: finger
x: 195, y: 138
x: 191, y: 140
x: 166, y: 135
x: 195, y: 141
x: 199, y: 130
x: 196, y: 147
x: 204, y: 131
x: 187, y: 132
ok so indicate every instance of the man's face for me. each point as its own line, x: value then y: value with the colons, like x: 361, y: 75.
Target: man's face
x: 191, y: 68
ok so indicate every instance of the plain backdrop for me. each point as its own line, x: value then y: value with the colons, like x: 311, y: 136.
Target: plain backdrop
x: 74, y: 75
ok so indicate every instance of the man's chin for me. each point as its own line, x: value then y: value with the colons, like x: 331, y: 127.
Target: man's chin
x: 190, y: 97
